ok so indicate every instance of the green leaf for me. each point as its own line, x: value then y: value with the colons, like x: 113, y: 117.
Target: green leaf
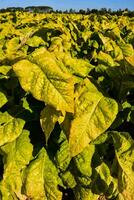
x: 123, y: 75
x: 68, y: 179
x: 124, y: 149
x: 131, y: 116
x: 95, y: 44
x: 103, y: 183
x: 16, y: 155
x: 26, y: 105
x: 42, y: 179
x: 63, y: 156
x: 94, y: 113
x: 84, y: 181
x: 82, y: 193
x: 10, y: 128
x: 125, y: 69
x: 3, y: 99
x: 83, y: 160
x: 101, y: 139
x: 46, y: 81
x: 104, y: 173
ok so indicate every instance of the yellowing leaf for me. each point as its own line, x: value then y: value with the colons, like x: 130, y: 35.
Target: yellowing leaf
x: 79, y: 67
x: 3, y: 99
x: 10, y: 128
x: 42, y: 179
x: 124, y: 149
x: 127, y: 49
x: 17, y: 155
x: 83, y: 160
x: 12, y: 45
x: 35, y: 41
x: 82, y: 193
x: 104, y: 173
x: 105, y: 59
x: 46, y: 81
x: 49, y: 117
x: 129, y: 65
x: 68, y: 179
x: 94, y: 113
x: 117, y: 52
x: 4, y: 69
x: 106, y: 42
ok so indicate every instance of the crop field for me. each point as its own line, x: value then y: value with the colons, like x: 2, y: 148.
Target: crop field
x: 66, y: 106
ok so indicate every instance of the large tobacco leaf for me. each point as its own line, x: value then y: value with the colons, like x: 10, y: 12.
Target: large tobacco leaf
x: 124, y: 149
x: 94, y: 113
x: 43, y: 176
x: 124, y: 76
x: 16, y: 155
x: 46, y: 81
x: 83, y: 166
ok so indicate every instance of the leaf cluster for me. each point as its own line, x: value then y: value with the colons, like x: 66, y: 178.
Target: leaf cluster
x: 66, y: 107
